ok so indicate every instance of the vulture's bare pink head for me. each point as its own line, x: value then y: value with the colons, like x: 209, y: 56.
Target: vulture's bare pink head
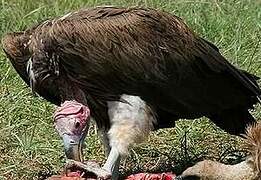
x: 72, y: 122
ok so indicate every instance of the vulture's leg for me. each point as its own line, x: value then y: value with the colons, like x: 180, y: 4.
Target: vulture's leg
x: 113, y: 163
x: 112, y: 156
x: 131, y: 121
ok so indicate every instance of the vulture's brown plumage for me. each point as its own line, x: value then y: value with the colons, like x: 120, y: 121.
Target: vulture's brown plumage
x: 101, y: 53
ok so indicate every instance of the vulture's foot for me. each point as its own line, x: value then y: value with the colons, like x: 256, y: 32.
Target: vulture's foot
x: 89, y: 169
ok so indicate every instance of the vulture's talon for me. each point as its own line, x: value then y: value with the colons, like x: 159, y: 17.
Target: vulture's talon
x: 89, y: 168
x: 106, y: 177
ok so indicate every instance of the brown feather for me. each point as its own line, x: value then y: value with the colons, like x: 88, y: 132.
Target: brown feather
x: 16, y: 47
x: 109, y: 51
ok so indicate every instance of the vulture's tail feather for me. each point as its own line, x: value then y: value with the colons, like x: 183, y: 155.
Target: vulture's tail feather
x: 233, y: 120
x: 253, y: 77
x: 254, y: 80
x: 259, y: 99
x: 246, y: 79
x: 251, y: 80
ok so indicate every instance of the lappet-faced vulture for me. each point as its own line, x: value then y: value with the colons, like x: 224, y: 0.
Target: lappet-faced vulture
x: 133, y: 70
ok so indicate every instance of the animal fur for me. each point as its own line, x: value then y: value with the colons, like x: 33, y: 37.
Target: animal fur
x: 246, y: 170
x: 253, y: 145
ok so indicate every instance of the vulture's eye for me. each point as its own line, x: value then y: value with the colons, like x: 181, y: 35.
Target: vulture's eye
x: 77, y: 125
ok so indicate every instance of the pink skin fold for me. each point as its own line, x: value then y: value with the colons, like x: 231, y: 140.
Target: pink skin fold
x: 73, y: 109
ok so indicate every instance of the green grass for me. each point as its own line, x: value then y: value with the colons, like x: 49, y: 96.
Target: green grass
x: 31, y: 149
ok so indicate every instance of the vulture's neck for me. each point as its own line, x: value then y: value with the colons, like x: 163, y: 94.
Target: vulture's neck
x: 69, y: 91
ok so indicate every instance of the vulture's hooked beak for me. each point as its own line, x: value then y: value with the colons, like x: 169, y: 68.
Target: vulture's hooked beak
x: 72, y: 123
x: 73, y: 146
